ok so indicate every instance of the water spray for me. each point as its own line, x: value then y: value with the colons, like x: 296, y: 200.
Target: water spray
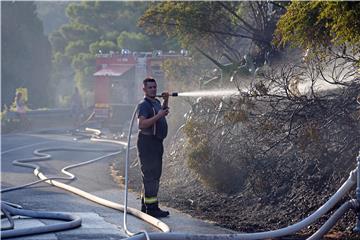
x: 291, y: 229
x: 205, y: 93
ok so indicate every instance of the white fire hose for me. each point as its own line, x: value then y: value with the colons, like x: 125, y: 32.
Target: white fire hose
x: 342, y: 191
x: 75, y: 222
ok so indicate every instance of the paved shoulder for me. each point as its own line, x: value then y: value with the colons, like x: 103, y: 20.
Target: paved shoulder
x: 98, y: 222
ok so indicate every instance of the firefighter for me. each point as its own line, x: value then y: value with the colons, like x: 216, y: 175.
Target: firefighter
x: 152, y: 131
x: 20, y: 104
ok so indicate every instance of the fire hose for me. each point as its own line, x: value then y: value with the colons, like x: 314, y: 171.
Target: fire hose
x: 349, y: 183
x: 72, y: 221
x: 75, y: 222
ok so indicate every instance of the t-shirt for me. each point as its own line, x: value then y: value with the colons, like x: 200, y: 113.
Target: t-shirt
x: 148, y: 108
x: 20, y: 106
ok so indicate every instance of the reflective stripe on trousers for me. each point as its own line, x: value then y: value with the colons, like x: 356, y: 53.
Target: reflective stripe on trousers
x: 150, y: 200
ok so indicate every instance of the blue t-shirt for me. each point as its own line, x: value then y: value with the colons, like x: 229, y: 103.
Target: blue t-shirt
x: 148, y: 108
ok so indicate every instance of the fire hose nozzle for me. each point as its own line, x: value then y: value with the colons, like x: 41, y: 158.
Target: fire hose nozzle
x: 174, y: 94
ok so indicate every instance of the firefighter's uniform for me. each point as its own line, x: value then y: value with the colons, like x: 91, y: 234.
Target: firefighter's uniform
x: 150, y: 149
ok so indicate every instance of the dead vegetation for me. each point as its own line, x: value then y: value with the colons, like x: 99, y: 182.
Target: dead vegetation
x: 272, y: 155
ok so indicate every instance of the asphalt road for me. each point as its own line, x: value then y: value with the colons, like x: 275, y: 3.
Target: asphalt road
x: 98, y: 222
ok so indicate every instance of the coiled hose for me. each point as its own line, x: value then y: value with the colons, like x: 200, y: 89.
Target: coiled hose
x: 41, y: 156
x: 181, y: 236
x: 9, y: 218
x: 72, y: 222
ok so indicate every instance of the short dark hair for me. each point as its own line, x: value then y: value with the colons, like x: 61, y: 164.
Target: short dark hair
x: 147, y: 80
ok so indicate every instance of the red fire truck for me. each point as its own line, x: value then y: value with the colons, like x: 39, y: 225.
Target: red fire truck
x: 118, y: 82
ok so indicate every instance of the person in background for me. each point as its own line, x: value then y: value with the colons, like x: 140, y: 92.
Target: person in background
x: 20, y: 106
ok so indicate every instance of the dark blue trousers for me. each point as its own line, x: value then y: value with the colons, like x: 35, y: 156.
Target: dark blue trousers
x: 150, y: 149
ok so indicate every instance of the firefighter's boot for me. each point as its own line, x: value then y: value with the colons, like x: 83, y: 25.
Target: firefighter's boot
x: 154, y: 210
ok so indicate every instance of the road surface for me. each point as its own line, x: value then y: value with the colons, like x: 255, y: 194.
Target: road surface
x: 98, y: 222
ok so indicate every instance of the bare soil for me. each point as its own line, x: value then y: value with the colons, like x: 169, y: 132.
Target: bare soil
x: 245, y: 211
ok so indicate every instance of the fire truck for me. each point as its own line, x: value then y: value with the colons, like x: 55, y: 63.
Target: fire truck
x: 118, y: 82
